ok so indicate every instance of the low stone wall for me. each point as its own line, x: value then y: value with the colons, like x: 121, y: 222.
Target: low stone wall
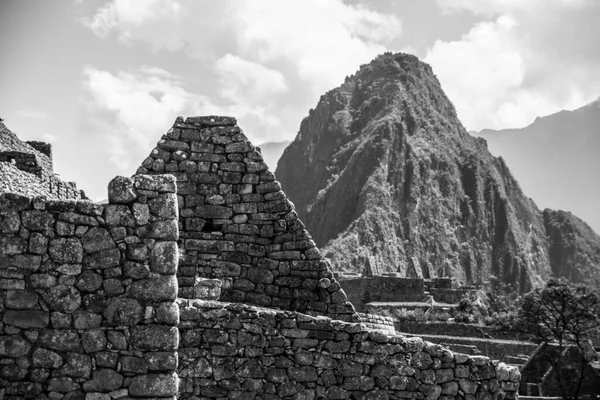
x: 377, y: 322
x: 87, y: 294
x: 362, y: 290
x: 243, y: 352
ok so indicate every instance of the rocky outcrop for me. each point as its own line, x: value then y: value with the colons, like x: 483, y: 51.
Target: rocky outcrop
x: 386, y: 178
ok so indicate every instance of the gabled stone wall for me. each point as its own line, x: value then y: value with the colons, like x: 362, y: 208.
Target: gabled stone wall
x: 236, y: 224
x: 87, y: 294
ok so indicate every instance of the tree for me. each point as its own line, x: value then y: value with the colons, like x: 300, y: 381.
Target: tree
x: 565, y: 314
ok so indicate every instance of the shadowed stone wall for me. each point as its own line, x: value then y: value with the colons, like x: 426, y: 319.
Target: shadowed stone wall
x: 236, y: 224
x: 87, y: 294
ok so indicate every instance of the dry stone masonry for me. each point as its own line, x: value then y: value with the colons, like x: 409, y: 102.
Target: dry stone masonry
x: 237, y: 225
x: 89, y: 307
x: 243, y: 352
x: 27, y: 168
x: 88, y: 294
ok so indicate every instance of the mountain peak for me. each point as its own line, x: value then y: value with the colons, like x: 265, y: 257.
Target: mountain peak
x: 388, y: 180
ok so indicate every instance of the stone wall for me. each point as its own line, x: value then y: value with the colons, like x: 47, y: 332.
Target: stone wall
x: 362, y: 290
x: 87, y: 294
x: 237, y: 225
x: 26, y: 168
x: 242, y: 352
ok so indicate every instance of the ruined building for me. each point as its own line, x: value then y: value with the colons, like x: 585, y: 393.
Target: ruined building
x: 26, y: 168
x: 197, y: 280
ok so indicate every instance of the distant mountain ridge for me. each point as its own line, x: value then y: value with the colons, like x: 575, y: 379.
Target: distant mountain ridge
x: 556, y: 159
x: 387, y: 179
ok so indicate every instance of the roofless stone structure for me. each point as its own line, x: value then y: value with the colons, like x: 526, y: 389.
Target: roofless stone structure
x: 236, y: 224
x: 89, y: 303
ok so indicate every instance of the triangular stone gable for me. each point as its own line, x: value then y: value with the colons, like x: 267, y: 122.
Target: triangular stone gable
x: 237, y: 225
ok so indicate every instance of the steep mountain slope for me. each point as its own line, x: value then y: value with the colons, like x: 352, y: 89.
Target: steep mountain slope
x: 555, y: 159
x: 386, y: 179
x: 272, y: 151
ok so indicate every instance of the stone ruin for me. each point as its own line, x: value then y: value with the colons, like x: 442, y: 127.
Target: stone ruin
x: 27, y: 168
x: 197, y: 280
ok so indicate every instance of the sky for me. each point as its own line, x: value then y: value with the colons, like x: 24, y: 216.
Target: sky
x: 102, y: 80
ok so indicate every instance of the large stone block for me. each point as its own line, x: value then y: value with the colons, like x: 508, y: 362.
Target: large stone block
x: 66, y: 250
x: 97, y: 239
x: 155, y: 289
x: 164, y: 257
x: 63, y: 298
x: 152, y: 385
x: 21, y: 299
x: 121, y: 191
x: 155, y: 337
x: 103, y: 380
x: 122, y: 311
x: 26, y: 319
x: 14, y: 346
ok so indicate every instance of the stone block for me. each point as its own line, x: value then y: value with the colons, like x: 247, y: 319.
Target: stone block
x: 164, y: 257
x: 21, y: 299
x: 103, y: 380
x: 46, y: 359
x: 59, y: 339
x: 26, y: 319
x: 155, y: 289
x: 154, y: 385
x: 123, y: 311
x: 121, y: 190
x: 66, y: 250
x: 96, y: 239
x: 155, y: 337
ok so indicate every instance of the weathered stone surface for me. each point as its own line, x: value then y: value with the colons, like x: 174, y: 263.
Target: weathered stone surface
x: 46, y: 359
x: 118, y: 215
x: 77, y: 365
x: 121, y: 191
x: 123, y: 311
x: 103, y: 380
x: 14, y: 346
x: 89, y: 281
x: 154, y: 385
x: 21, y: 299
x: 59, y: 339
x: 26, y: 318
x: 103, y: 259
x: 67, y: 250
x: 93, y: 340
x: 155, y: 337
x: 155, y: 289
x: 164, y: 257
x: 97, y: 239
x: 63, y: 298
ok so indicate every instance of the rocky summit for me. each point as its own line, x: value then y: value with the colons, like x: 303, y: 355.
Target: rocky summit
x: 387, y: 179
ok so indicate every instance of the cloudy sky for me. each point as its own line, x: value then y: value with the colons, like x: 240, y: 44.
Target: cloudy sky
x: 104, y: 79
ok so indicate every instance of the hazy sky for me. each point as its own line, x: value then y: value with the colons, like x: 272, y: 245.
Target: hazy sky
x: 103, y: 80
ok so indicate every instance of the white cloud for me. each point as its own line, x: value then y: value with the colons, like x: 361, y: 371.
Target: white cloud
x: 32, y: 114
x: 324, y: 40
x: 138, y: 18
x: 313, y: 42
x: 527, y: 61
x: 247, y: 80
x: 138, y: 106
